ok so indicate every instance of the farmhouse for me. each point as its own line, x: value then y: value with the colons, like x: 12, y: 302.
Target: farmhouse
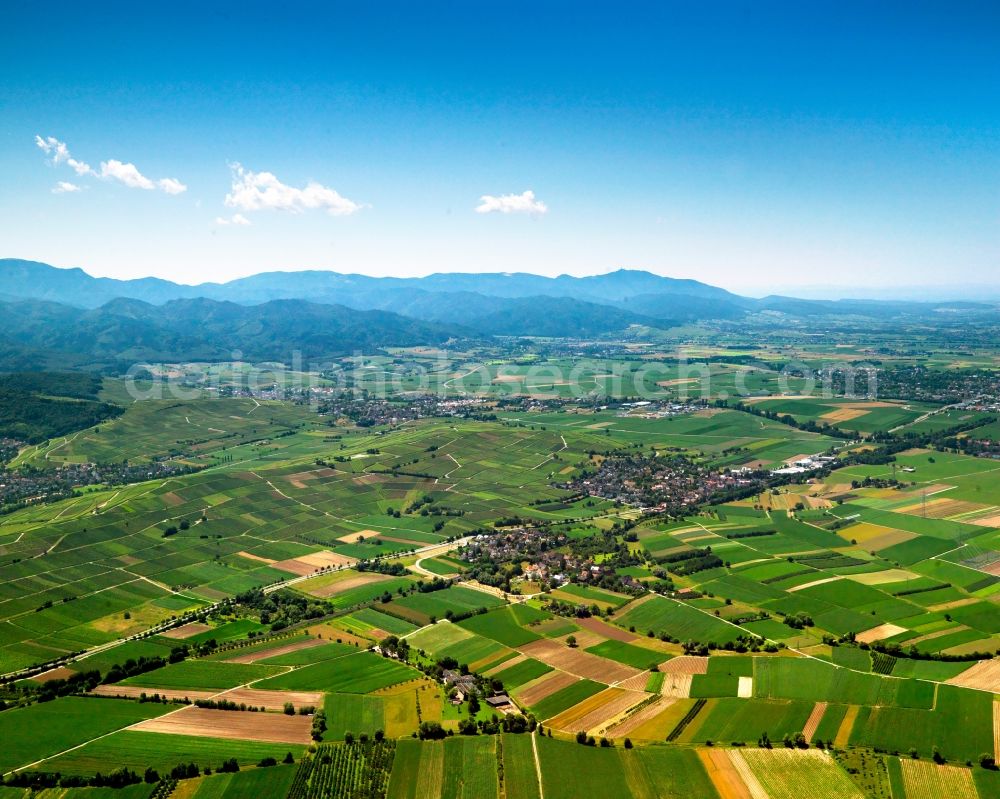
x: 464, y: 682
x: 501, y: 702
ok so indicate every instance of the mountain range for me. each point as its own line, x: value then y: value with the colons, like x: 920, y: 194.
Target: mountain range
x: 48, y: 311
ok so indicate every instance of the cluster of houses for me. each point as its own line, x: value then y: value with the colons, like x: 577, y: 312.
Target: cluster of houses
x: 31, y: 486
x: 536, y: 551
x: 9, y: 447
x: 660, y: 484
x: 369, y: 412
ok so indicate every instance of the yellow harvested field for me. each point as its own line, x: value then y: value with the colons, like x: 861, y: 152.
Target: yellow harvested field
x: 400, y: 702
x: 582, y: 664
x: 595, y: 712
x: 985, y: 676
x: 879, y: 633
x: 251, y: 556
x: 724, y: 775
x: 353, y: 538
x: 864, y: 532
x: 843, y: 414
x: 677, y: 685
x: 818, y: 503
x: 888, y: 540
x: 584, y: 639
x: 996, y: 729
x: 640, y: 718
x: 883, y: 577
x: 340, y: 586
x: 325, y: 558
x: 818, y: 711
x: 925, y: 780
x: 815, y: 583
x: 233, y: 725
x: 308, y: 564
x: 844, y: 731
x: 685, y: 664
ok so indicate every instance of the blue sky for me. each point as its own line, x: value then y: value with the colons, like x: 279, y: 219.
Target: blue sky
x: 760, y: 146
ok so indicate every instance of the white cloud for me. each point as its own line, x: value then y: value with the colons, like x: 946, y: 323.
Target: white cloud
x: 236, y: 219
x: 511, y: 204
x: 171, y: 185
x: 63, y: 187
x: 60, y: 153
x: 112, y: 169
x: 261, y: 191
x: 125, y: 173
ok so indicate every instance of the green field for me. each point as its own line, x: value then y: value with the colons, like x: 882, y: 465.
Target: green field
x: 507, y: 624
x: 274, y: 781
x: 357, y: 673
x: 676, y: 619
x: 203, y: 674
x: 139, y: 750
x: 43, y: 730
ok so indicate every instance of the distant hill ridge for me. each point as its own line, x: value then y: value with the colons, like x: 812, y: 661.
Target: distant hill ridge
x: 328, y: 313
x: 35, y: 280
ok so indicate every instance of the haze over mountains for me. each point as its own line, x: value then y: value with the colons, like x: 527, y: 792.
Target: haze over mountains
x: 84, y: 319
